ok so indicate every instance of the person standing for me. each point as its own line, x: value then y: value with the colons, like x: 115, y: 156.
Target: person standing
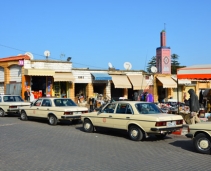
x: 194, y: 106
x: 27, y: 95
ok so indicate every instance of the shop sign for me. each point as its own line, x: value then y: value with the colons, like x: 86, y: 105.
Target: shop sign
x: 21, y: 62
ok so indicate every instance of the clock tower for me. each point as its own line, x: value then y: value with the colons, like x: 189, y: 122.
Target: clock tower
x: 163, y: 56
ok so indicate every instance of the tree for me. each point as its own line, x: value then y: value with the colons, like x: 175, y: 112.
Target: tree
x: 174, y: 63
x: 151, y: 63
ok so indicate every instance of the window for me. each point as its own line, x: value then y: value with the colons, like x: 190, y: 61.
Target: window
x: 147, y: 108
x: 46, y: 102
x: 64, y: 102
x: 124, y: 109
x: 38, y: 102
x: 109, y: 108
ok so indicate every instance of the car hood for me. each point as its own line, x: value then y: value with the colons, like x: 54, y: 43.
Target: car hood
x: 201, y: 125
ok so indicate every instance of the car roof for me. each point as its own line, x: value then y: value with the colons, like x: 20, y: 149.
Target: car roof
x: 132, y: 102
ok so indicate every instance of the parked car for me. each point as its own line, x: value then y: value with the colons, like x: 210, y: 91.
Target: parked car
x: 53, y: 109
x: 200, y: 133
x: 9, y: 104
x: 139, y: 119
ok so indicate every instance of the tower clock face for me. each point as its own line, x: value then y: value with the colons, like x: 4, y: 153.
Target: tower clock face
x: 166, y: 60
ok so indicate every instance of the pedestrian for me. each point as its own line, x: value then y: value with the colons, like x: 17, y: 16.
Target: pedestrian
x: 27, y: 95
x: 194, y: 106
x: 135, y: 96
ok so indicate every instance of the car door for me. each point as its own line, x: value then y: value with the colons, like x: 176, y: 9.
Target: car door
x: 34, y: 110
x: 123, y: 114
x: 105, y: 117
x: 45, y: 108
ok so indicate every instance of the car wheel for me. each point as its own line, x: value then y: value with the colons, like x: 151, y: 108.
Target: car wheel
x: 88, y: 126
x: 202, y: 143
x: 52, y: 120
x: 23, y: 116
x: 2, y: 113
x: 135, y: 133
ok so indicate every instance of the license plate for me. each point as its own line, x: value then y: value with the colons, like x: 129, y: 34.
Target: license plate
x: 75, y: 113
x: 170, y: 124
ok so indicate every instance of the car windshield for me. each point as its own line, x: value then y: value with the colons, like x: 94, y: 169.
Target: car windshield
x: 64, y: 102
x: 12, y: 99
x: 147, y: 108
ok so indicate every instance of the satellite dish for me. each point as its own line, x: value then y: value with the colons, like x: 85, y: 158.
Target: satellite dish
x: 153, y: 69
x: 110, y: 65
x: 30, y: 55
x: 47, y: 53
x: 127, y: 65
x: 68, y: 59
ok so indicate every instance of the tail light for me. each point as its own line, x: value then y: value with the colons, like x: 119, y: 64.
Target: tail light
x: 12, y: 107
x: 84, y: 111
x: 68, y: 113
x: 160, y: 124
x: 179, y: 122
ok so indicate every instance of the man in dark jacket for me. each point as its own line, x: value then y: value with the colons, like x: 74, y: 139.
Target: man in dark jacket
x: 194, y: 106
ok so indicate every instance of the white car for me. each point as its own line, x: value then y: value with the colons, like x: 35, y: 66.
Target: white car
x: 53, y: 109
x: 9, y: 104
x: 139, y: 119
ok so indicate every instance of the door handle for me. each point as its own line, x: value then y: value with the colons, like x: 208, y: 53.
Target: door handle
x: 110, y: 116
x: 127, y: 117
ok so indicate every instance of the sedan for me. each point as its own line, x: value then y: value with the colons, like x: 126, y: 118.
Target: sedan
x: 53, y: 109
x: 139, y: 119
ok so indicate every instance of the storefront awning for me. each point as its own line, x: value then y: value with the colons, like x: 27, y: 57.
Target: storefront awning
x: 138, y: 82
x: 39, y: 72
x: 63, y: 76
x: 167, y: 82
x: 101, y: 76
x: 121, y: 81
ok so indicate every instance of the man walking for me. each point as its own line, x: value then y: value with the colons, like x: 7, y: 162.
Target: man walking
x: 194, y: 106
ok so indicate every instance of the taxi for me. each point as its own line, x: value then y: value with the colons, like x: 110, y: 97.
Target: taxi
x: 9, y: 104
x: 53, y: 109
x: 200, y: 133
x: 139, y: 119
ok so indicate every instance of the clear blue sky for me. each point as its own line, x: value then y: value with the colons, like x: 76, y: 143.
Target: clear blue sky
x: 95, y: 32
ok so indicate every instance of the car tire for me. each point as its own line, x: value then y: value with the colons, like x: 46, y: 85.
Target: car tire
x: 52, y: 120
x: 23, y: 116
x: 202, y: 143
x: 2, y: 113
x: 88, y: 126
x: 135, y: 133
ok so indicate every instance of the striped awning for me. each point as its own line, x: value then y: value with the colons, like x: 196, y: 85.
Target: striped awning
x: 121, y: 81
x: 138, y: 82
x: 39, y: 72
x: 63, y: 77
x: 167, y: 82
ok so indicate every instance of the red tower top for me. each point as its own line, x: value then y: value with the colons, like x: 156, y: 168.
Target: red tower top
x: 163, y: 38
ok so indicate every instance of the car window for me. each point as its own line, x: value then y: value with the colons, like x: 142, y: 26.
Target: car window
x: 109, y: 108
x: 46, y: 102
x: 124, y: 108
x: 38, y: 102
x: 8, y: 99
x: 64, y: 102
x: 18, y: 99
x: 147, y: 108
x: 0, y: 98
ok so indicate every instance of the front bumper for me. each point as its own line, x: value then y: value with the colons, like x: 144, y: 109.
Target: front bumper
x: 171, y: 129
x: 189, y: 135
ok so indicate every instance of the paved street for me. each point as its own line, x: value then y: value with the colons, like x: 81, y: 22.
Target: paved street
x: 37, y: 146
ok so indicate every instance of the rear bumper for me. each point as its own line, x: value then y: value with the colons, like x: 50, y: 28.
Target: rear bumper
x: 189, y: 135
x: 71, y: 117
x: 171, y: 129
x: 12, y: 110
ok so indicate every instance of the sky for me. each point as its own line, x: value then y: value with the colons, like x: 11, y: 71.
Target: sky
x: 97, y: 32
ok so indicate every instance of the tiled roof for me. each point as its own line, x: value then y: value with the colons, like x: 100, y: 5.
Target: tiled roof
x: 15, y: 58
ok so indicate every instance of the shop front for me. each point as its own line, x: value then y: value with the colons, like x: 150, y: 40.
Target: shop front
x: 39, y: 81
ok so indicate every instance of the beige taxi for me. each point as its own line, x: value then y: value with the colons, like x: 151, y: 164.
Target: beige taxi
x: 9, y: 104
x: 139, y: 119
x: 201, y: 135
x: 53, y: 109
